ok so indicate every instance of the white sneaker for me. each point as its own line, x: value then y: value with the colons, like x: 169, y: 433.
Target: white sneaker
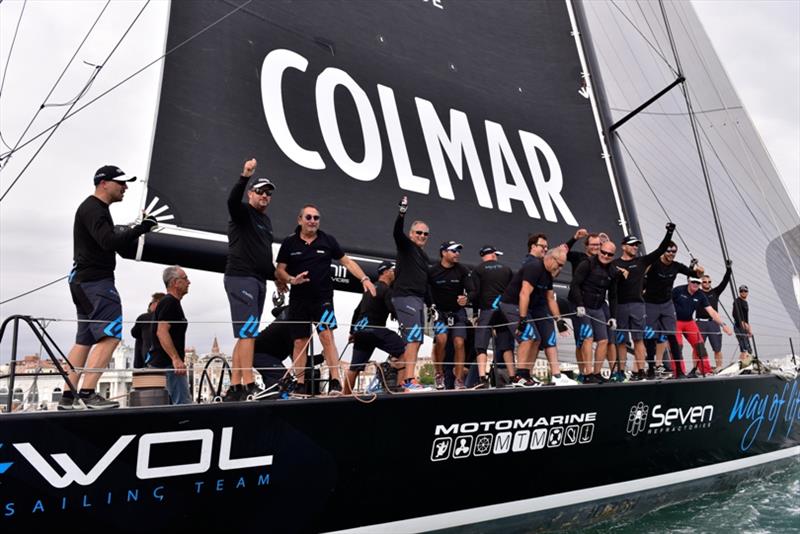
x: 563, y: 380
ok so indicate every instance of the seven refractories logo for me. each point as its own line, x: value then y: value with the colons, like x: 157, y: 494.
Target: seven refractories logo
x: 475, y: 439
x: 637, y: 419
x: 659, y: 419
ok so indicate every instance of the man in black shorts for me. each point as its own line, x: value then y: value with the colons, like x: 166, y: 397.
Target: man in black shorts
x: 741, y: 323
x: 248, y: 267
x: 273, y: 345
x: 169, y: 336
x: 369, y: 330
x: 410, y: 290
x: 708, y: 327
x: 304, y: 263
x: 91, y: 284
x: 142, y: 332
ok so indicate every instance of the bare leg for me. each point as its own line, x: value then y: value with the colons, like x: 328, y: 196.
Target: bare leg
x: 243, y: 361
x: 77, y: 357
x: 718, y: 359
x: 409, y: 361
x: 439, y: 344
x: 459, y: 357
x: 98, y: 359
x: 480, y: 361
x: 524, y: 355
x: 330, y: 353
x: 639, y: 353
x: 299, y: 359
x: 350, y: 377
x: 508, y: 358
x: 600, y: 355
x: 552, y: 357
x: 586, y: 356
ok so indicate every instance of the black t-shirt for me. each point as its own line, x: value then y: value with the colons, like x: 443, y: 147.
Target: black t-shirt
x: 142, y: 332
x: 249, y: 238
x: 375, y: 309
x: 275, y: 340
x: 95, y: 242
x: 411, y: 272
x: 169, y: 309
x: 630, y: 289
x: 314, y: 257
x: 592, y: 282
x: 447, y: 283
x: 535, y: 274
x: 660, y: 279
x: 714, y: 294
x: 686, y: 304
x: 489, y: 280
x: 741, y: 312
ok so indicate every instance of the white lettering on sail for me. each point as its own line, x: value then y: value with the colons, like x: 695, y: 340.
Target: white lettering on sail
x: 500, y: 150
x: 397, y: 142
x: 272, y: 70
x: 369, y: 168
x: 549, y: 191
x: 459, y: 142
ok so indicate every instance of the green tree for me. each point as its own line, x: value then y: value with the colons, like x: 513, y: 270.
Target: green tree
x: 426, y: 374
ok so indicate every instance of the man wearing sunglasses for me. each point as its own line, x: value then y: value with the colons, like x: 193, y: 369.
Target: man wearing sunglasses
x: 708, y: 327
x: 660, y: 309
x: 304, y: 263
x: 410, y: 289
x: 741, y: 323
x: 630, y: 304
x: 591, y: 245
x: 687, y: 300
x: 248, y: 267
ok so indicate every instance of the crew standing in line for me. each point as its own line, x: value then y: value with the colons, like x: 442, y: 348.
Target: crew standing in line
x: 708, y: 327
x: 169, y: 335
x: 630, y: 304
x: 304, y: 263
x: 450, y: 284
x: 91, y: 283
x: 248, y: 267
x: 142, y: 331
x: 591, y: 243
x: 741, y: 323
x: 489, y: 281
x: 410, y: 290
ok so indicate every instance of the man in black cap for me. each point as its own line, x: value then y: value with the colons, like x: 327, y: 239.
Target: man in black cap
x: 142, y: 332
x: 450, y: 284
x: 368, y: 331
x: 631, y: 313
x: 708, y: 327
x: 489, y: 281
x: 741, y: 323
x: 91, y: 284
x: 248, y: 267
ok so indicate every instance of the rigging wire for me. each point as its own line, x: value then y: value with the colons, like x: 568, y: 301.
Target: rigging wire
x: 656, y: 50
x: 128, y: 78
x: 91, y: 80
x: 17, y: 146
x: 8, y: 59
x: 33, y: 290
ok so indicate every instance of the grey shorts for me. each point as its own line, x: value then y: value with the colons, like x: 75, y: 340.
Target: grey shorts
x: 99, y: 311
x: 545, y: 325
x: 511, y: 317
x: 410, y: 312
x: 452, y: 322
x: 712, y: 332
x: 660, y: 320
x: 246, y: 296
x: 631, y: 316
x: 593, y: 325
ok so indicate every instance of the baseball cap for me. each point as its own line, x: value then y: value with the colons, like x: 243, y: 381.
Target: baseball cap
x: 695, y: 279
x: 743, y: 288
x: 488, y: 249
x: 385, y: 266
x: 631, y: 240
x: 111, y: 172
x: 262, y: 183
x: 451, y: 246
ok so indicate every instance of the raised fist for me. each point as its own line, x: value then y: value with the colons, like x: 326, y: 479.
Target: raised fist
x: 249, y: 167
x: 670, y: 227
x: 403, y: 205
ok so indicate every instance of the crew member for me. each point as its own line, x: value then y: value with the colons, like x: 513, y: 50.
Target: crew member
x: 741, y: 323
x: 273, y: 345
x: 659, y: 307
x: 369, y: 330
x: 248, y: 267
x: 687, y: 300
x: 410, y: 290
x: 450, y: 284
x: 591, y: 244
x: 709, y: 328
x: 169, y: 335
x: 489, y: 281
x: 142, y: 331
x: 91, y: 283
x: 593, y: 280
x: 304, y: 263
x: 630, y: 304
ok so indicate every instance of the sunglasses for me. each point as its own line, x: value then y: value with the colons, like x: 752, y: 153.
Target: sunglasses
x: 309, y: 217
x: 263, y: 192
x: 457, y: 251
x: 607, y: 254
x: 594, y: 244
x: 695, y: 283
x: 672, y: 250
x: 632, y: 244
x: 420, y: 232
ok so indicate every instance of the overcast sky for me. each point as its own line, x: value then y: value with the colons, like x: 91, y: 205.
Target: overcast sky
x: 758, y: 43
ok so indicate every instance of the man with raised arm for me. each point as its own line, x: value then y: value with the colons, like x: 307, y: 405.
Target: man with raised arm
x: 410, y: 289
x: 304, y: 263
x: 248, y: 267
x: 631, y: 314
x: 91, y: 284
x: 708, y: 327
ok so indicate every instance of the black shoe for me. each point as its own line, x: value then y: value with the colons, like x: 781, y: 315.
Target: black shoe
x: 693, y: 373
x: 234, y: 394
x: 299, y: 388
x: 600, y: 378
x: 651, y: 373
x: 680, y: 376
x: 590, y: 379
x: 96, y: 402
x: 483, y: 384
x: 334, y: 387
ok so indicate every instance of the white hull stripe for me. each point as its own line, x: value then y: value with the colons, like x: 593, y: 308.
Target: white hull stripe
x: 537, y: 504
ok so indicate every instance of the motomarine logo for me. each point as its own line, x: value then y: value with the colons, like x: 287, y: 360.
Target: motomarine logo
x: 474, y: 439
x: 668, y: 419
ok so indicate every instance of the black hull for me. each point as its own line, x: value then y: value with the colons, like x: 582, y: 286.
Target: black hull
x: 507, y: 460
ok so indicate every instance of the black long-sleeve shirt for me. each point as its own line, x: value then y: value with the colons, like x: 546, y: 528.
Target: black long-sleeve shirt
x: 660, y: 279
x: 630, y: 289
x: 411, y: 278
x: 741, y: 312
x: 375, y: 309
x: 95, y: 242
x: 489, y: 280
x: 249, y: 238
x: 592, y: 282
x: 714, y: 294
x: 142, y: 332
x: 447, y: 283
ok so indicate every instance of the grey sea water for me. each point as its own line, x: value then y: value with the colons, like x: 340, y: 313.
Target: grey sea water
x: 769, y: 505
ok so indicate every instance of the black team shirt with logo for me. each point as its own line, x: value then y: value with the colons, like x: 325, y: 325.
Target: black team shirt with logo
x: 249, y: 238
x: 630, y: 289
x: 375, y: 309
x: 447, y: 283
x: 411, y: 278
x: 169, y: 310
x: 535, y: 274
x: 660, y: 279
x: 314, y: 257
x: 489, y: 280
x: 592, y: 282
x: 714, y: 294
